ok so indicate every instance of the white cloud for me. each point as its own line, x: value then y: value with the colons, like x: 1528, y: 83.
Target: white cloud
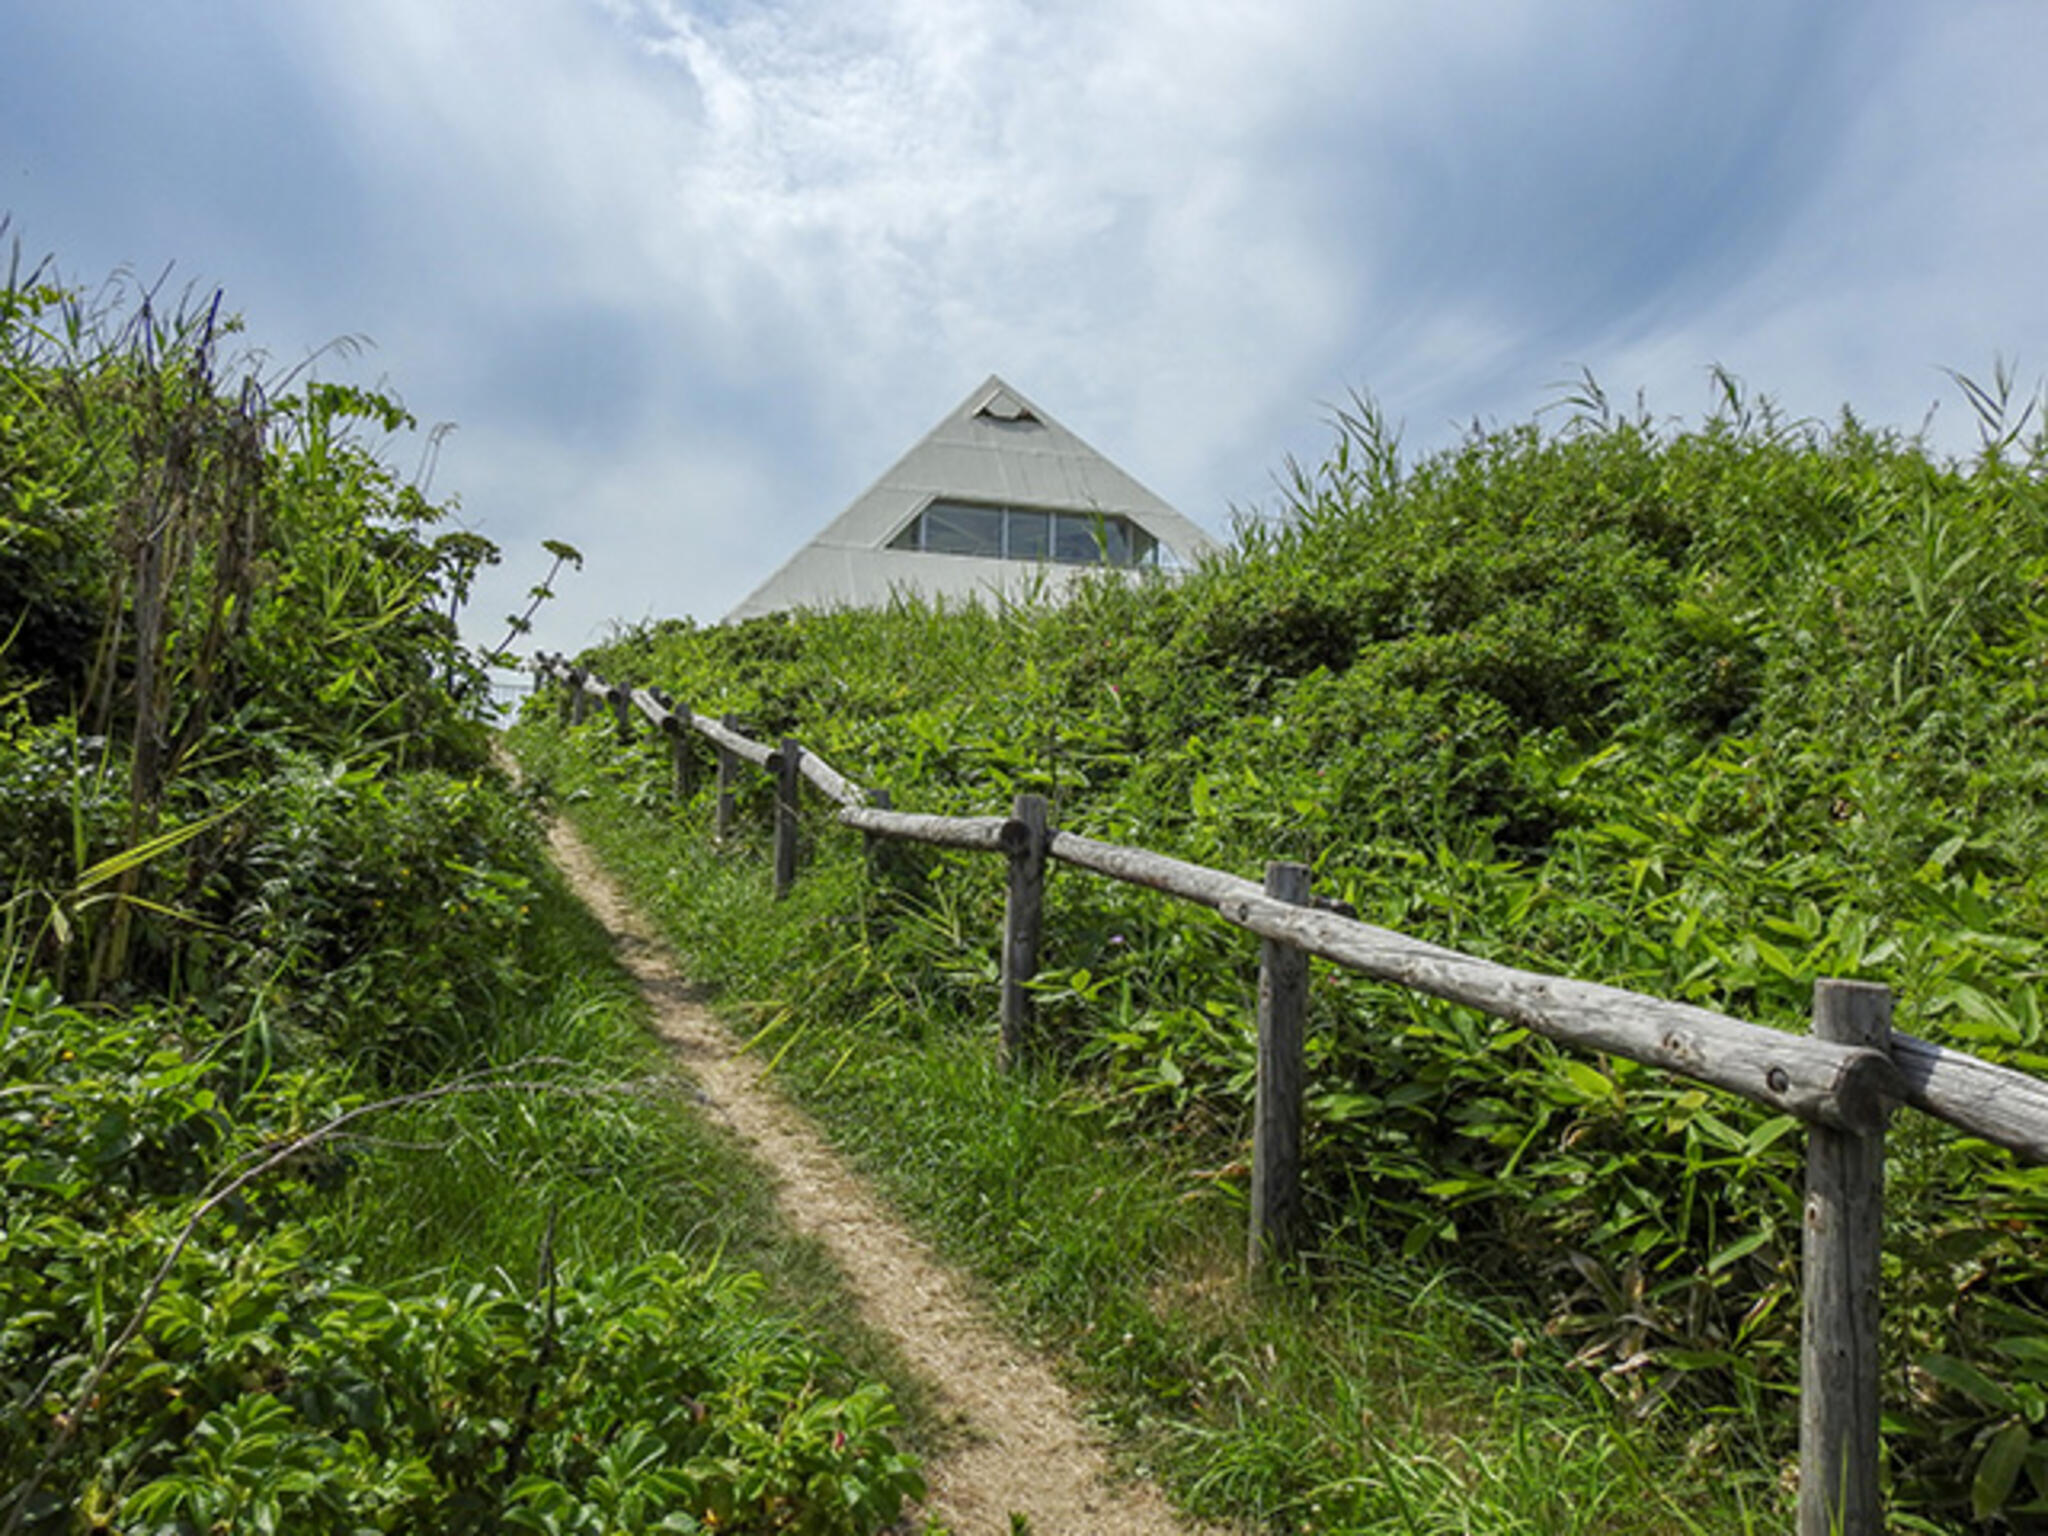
x: 1909, y: 259
x: 674, y: 529
x: 711, y: 266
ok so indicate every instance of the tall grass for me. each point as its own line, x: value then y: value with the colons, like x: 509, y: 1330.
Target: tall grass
x: 615, y: 1168
x: 1366, y: 1393
x: 1708, y: 713
x: 344, y: 1188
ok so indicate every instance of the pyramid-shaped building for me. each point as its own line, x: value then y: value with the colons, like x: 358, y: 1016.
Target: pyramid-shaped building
x: 997, y: 501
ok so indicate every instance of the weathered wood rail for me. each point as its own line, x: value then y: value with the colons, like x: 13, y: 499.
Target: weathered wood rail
x: 1842, y: 1079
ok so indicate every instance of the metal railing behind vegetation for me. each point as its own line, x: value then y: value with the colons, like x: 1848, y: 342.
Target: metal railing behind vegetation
x: 1841, y: 1080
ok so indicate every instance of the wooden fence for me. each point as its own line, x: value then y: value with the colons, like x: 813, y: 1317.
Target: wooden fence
x: 1842, y: 1080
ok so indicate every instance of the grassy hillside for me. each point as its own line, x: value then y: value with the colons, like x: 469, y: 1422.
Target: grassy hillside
x: 1708, y: 713
x: 340, y: 1187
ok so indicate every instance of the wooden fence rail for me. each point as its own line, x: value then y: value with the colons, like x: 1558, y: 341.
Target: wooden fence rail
x: 1842, y: 1079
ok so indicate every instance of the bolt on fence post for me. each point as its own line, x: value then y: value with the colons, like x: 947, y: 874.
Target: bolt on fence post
x: 788, y: 767
x: 1025, y: 838
x: 1275, y: 1233
x: 1844, y: 1238
x: 681, y: 758
x: 728, y: 771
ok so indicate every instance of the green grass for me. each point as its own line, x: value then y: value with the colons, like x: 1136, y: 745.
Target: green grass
x: 609, y: 1167
x: 1704, y: 712
x: 1363, y: 1393
x: 344, y: 1186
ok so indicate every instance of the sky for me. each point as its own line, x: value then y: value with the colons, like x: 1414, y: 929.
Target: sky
x: 687, y: 276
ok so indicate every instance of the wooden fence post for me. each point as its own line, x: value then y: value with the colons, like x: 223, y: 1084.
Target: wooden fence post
x: 576, y: 700
x: 558, y: 674
x: 620, y: 698
x: 788, y: 767
x: 1275, y: 1234
x: 1838, y: 1375
x: 680, y: 754
x: 728, y: 772
x: 1024, y: 840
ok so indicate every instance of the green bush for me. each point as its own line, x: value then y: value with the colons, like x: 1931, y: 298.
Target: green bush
x: 262, y: 1385
x: 380, y: 911
x: 255, y: 867
x: 1707, y: 713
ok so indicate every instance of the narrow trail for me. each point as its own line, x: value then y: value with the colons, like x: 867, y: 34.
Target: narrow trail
x: 1027, y: 1449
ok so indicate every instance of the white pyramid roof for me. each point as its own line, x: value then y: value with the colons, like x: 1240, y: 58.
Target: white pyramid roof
x: 995, y: 449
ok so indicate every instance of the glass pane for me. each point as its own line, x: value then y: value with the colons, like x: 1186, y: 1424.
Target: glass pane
x: 1030, y: 535
x: 1116, y: 538
x: 1074, y: 538
x: 912, y: 537
x: 954, y: 528
x: 1144, y: 548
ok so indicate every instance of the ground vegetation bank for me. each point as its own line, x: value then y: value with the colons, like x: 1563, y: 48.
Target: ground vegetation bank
x: 340, y: 1189
x: 1706, y: 712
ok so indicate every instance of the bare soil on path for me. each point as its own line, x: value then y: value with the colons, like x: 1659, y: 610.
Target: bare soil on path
x: 1027, y: 1450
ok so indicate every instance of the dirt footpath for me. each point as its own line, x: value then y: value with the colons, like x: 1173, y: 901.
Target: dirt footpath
x: 1027, y: 1450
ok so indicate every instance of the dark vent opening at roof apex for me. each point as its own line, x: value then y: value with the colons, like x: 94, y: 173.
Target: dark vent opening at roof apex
x: 1006, y: 407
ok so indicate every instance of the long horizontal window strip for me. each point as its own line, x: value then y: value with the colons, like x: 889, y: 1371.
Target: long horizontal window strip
x: 994, y: 532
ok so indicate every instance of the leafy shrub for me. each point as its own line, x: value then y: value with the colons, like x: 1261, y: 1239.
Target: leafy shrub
x: 380, y: 911
x: 1705, y: 713
x: 266, y: 1388
x: 249, y: 829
